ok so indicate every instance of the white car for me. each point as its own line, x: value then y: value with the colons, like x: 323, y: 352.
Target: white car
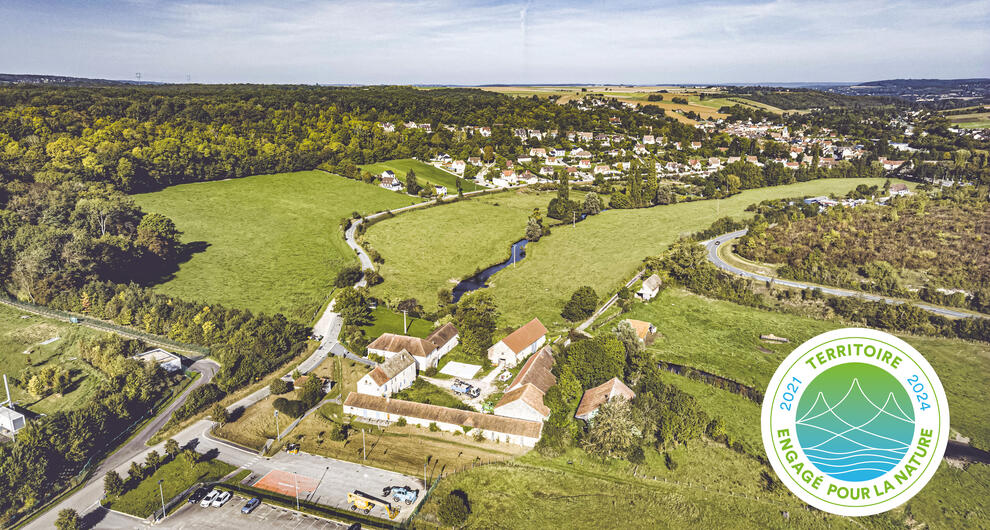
x: 210, y: 497
x: 221, y: 499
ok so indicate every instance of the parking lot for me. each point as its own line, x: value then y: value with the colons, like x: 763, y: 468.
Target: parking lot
x: 229, y: 516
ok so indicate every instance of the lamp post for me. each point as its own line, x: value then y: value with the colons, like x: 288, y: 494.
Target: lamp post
x: 295, y: 478
x: 162, y: 494
x: 404, y: 328
x: 278, y: 434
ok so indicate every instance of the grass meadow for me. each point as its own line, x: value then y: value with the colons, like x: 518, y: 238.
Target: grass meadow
x: 19, y: 335
x: 272, y: 242
x: 424, y: 173
x: 144, y: 498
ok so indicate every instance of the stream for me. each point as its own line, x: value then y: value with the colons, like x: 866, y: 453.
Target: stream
x: 480, y: 280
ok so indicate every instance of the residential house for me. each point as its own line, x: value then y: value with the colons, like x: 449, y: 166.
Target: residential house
x: 594, y: 398
x: 538, y: 152
x: 423, y: 351
x: 519, y: 344
x: 169, y: 361
x: 695, y: 145
x: 388, y: 127
x: 649, y: 139
x: 601, y: 169
x: 499, y: 428
x: 555, y: 161
x: 584, y: 163
x: 485, y: 131
x: 899, y: 190
x: 474, y: 160
x: 546, y: 171
x: 458, y: 166
x: 640, y: 149
x: 557, y: 151
x: 426, y: 127
x: 394, y: 375
x: 524, y: 403
x: 650, y: 288
x: 441, y: 190
x: 580, y: 153
x: 714, y: 161
x: 524, y: 159
x: 389, y: 182
x: 11, y: 421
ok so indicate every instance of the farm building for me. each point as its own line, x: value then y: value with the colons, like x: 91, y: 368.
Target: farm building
x: 498, y: 428
x: 169, y: 362
x: 594, y: 398
x: 643, y: 329
x: 445, y: 338
x: 650, y: 288
x: 524, y: 403
x: 424, y: 351
x: 394, y: 375
x: 519, y: 344
x: 11, y: 421
x: 389, y: 181
x: 536, y: 372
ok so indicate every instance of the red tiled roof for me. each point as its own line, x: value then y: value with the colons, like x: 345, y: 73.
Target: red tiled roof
x: 519, y: 339
x: 410, y: 409
x: 536, y: 371
x: 395, y: 343
x: 529, y: 395
x: 598, y: 396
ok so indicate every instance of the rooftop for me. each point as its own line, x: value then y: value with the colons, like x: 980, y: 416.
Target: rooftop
x: 467, y: 418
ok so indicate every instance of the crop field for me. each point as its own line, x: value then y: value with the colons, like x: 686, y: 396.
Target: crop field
x: 19, y: 335
x: 432, y: 248
x: 424, y: 173
x: 977, y: 120
x: 724, y: 339
x: 268, y: 243
x: 604, y: 251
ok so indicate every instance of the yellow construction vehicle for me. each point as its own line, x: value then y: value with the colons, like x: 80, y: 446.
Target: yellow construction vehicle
x: 364, y: 502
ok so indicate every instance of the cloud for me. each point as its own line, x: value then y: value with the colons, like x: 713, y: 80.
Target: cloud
x: 470, y: 42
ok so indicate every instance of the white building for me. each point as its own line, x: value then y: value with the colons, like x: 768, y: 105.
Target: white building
x: 394, y: 375
x: 498, y: 428
x: 11, y: 421
x: 650, y: 288
x: 169, y: 362
x: 520, y: 344
x: 424, y: 351
x: 445, y: 338
x: 389, y: 181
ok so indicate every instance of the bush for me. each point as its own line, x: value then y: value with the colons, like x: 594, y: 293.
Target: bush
x: 198, y: 400
x: 348, y: 276
x: 280, y: 386
x: 454, y: 508
x: 401, y: 423
x: 339, y: 432
x: 434, y: 427
x: 582, y: 304
x: 290, y: 407
x: 636, y: 455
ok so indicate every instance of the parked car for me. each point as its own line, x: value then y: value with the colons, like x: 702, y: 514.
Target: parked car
x: 208, y: 500
x: 221, y: 499
x: 198, y: 495
x: 251, y: 505
x: 404, y: 494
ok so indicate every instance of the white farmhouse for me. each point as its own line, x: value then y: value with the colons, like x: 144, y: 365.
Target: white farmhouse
x: 445, y: 338
x: 519, y: 344
x: 650, y: 288
x: 394, y: 375
x: 390, y: 344
x: 594, y: 398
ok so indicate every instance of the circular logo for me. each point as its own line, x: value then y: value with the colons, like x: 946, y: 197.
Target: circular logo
x: 855, y: 422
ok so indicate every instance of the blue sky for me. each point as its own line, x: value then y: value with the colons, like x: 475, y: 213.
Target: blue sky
x: 476, y: 42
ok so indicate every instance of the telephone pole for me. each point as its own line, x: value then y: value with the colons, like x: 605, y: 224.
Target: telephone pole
x: 364, y: 450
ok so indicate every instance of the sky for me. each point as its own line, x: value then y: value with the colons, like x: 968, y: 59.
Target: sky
x: 484, y: 42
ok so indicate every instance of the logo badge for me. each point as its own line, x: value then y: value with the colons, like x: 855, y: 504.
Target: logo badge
x: 855, y: 422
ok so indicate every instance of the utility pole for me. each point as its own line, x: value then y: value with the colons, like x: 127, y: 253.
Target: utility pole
x: 364, y: 451
x: 573, y: 219
x: 160, y: 492
x: 404, y: 328
x: 425, y: 484
x: 295, y: 479
x: 277, y: 432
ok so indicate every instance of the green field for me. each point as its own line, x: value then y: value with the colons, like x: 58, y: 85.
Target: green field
x: 273, y: 242
x: 424, y: 173
x: 426, y: 250
x: 975, y: 120
x: 604, y: 251
x: 724, y: 339
x: 142, y: 499
x: 388, y: 321
x: 18, y: 335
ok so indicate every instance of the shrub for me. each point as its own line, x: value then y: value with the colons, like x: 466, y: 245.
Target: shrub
x: 290, y: 407
x: 434, y: 427
x: 636, y: 455
x: 454, y: 508
x: 280, y: 386
x: 401, y: 422
x: 582, y: 304
x: 339, y: 432
x: 348, y: 276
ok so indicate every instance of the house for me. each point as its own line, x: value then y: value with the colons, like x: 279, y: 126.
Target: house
x: 394, y: 375
x: 485, y: 131
x: 524, y: 159
x: 519, y: 344
x: 523, y: 403
x: 441, y: 191
x: 892, y: 164
x: 538, y: 151
x: 445, y: 338
x: 390, y: 182
x: 557, y: 151
x: 584, y: 163
x: 499, y: 428
x: 695, y: 145
x: 714, y: 161
x: 536, y: 371
x: 580, y: 153
x: 601, y: 169
x: 546, y: 171
x: 474, y: 160
x: 388, y: 127
x: 555, y: 161
x: 169, y: 362
x: 411, y: 125
x: 899, y: 190
x: 642, y: 328
x: 11, y: 421
x: 389, y: 344
x: 458, y: 166
x: 639, y: 149
x: 649, y: 139
x: 594, y: 398
x: 426, y: 127
x: 650, y: 288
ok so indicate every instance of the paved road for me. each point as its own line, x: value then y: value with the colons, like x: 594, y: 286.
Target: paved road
x: 87, y: 498
x: 584, y: 325
x: 712, y: 246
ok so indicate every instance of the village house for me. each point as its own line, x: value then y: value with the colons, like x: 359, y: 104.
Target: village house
x: 601, y: 169
x: 734, y: 159
x: 524, y: 159
x: 498, y: 428
x: 650, y: 288
x: 458, y: 166
x: 474, y: 160
x: 410, y: 125
x: 441, y: 190
x: 389, y: 182
x: 584, y: 163
x: 580, y: 153
x: 426, y: 127
x: 445, y: 338
x: 677, y: 145
x: 594, y: 398
x: 695, y: 145
x: 642, y: 328
x: 538, y: 151
x: 557, y: 151
x: 649, y: 139
x: 714, y: 161
x: 518, y: 345
x: 640, y: 149
x: 423, y: 351
x: 388, y: 127
x: 899, y: 190
x: 546, y: 171
x: 523, y: 398
x: 394, y: 375
x: 485, y: 131
x: 169, y: 362
x: 555, y: 161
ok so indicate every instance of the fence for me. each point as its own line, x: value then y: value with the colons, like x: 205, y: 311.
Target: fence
x: 65, y: 316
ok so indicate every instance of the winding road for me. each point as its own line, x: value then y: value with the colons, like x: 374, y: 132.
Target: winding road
x: 713, y: 245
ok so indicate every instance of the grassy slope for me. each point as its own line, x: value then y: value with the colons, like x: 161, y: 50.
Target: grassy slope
x: 388, y: 321
x: 20, y: 334
x: 274, y: 240
x: 605, y: 250
x: 428, y: 249
x: 424, y: 172
x: 722, y: 338
x: 178, y: 475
